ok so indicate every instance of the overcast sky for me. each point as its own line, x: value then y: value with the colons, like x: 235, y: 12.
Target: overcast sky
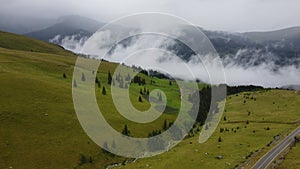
x: 227, y: 15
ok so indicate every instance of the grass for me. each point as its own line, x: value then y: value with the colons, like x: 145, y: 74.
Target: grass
x: 236, y: 144
x: 292, y: 160
x: 39, y: 127
x: 23, y: 43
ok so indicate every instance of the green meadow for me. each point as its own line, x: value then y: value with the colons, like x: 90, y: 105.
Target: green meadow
x: 39, y: 127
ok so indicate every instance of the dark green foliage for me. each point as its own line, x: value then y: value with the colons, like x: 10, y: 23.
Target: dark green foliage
x: 97, y: 82
x: 170, y: 124
x: 165, y: 126
x: 121, y: 83
x: 83, y: 77
x: 103, y: 90
x: 109, y: 78
x: 141, y: 91
x: 128, y: 78
x: 205, y: 98
x: 238, y: 89
x: 82, y: 159
x: 74, y: 83
x: 91, y: 160
x: 206, y: 103
x: 159, y: 97
x: 125, y: 131
x: 139, y: 80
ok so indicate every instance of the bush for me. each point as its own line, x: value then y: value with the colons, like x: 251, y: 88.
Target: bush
x: 82, y: 159
x: 220, y: 139
x: 103, y: 91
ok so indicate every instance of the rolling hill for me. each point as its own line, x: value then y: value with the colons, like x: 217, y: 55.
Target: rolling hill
x: 39, y: 127
x: 23, y: 43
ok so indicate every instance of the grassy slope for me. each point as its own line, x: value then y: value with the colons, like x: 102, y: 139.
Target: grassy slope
x: 38, y: 125
x: 39, y: 128
x: 23, y: 43
x: 280, y: 117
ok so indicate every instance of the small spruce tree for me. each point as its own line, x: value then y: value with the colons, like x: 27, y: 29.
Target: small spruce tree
x: 220, y: 139
x: 83, y: 77
x: 74, y: 83
x: 165, y: 126
x: 109, y: 78
x: 103, y: 90
x: 126, y: 131
x: 160, y: 97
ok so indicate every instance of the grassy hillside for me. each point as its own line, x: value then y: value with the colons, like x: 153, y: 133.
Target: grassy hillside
x: 38, y: 124
x: 246, y: 136
x: 18, y: 42
x: 39, y: 127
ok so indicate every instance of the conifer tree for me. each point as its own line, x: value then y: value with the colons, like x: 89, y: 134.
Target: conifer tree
x: 103, y: 90
x: 83, y: 77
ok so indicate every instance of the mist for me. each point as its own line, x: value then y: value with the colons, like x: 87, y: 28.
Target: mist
x: 232, y: 15
x: 151, y: 52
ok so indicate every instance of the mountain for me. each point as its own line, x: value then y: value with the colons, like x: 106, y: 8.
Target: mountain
x: 275, y: 48
x: 292, y: 87
x: 67, y: 26
x: 23, y: 25
x: 289, y: 34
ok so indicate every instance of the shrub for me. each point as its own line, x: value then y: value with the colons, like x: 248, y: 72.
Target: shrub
x: 220, y: 139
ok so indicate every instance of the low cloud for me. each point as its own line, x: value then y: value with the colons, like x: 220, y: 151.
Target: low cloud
x: 151, y: 52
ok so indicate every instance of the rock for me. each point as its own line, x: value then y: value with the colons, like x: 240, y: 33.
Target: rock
x: 219, y: 157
